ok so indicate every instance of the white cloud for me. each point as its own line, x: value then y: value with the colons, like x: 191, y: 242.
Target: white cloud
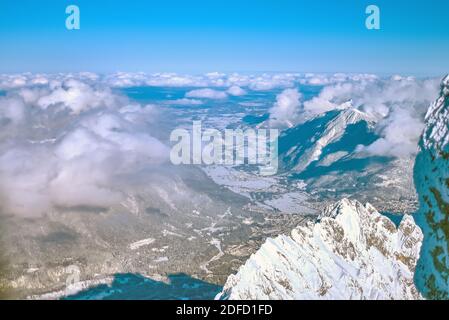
x: 251, y: 104
x: 236, y: 91
x: 286, y: 109
x: 22, y: 80
x: 269, y: 82
x: 125, y: 79
x: 215, y: 75
x: 184, y: 101
x: 399, y: 103
x: 13, y: 81
x: 329, y: 79
x: 399, y: 132
x: 70, y: 143
x: 78, y: 97
x: 207, y: 93
x: 11, y: 110
x: 257, y: 82
x: 128, y: 79
x: 330, y: 98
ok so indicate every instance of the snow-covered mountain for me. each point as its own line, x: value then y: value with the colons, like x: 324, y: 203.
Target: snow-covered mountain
x: 325, y: 153
x: 317, y: 139
x: 431, y: 175
x: 351, y: 252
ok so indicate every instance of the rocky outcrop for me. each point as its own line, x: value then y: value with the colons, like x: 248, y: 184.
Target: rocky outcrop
x: 431, y: 174
x: 351, y: 252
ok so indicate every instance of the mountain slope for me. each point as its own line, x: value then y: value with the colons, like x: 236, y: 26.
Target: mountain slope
x: 169, y: 221
x: 431, y: 175
x: 324, y: 152
x: 352, y: 252
x: 318, y: 138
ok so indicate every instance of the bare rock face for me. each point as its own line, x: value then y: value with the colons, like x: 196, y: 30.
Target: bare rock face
x: 431, y: 175
x: 351, y: 252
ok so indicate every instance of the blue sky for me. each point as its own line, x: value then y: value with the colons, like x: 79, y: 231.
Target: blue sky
x: 216, y: 35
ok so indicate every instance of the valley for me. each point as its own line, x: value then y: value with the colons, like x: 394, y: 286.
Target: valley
x: 146, y: 222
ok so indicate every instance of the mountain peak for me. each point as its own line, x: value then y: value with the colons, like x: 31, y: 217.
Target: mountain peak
x: 446, y: 80
x: 343, y: 206
x: 436, y: 133
x: 346, y: 105
x: 331, y: 128
x: 353, y: 115
x: 353, y: 252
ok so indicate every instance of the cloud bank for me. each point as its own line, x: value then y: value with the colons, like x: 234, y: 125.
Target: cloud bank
x: 285, y: 111
x: 69, y: 143
x: 398, y: 103
x: 207, y: 94
x: 69, y: 140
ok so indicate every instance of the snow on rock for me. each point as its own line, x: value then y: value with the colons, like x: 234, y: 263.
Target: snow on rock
x: 351, y: 252
x: 144, y: 242
x: 299, y: 159
x: 431, y: 174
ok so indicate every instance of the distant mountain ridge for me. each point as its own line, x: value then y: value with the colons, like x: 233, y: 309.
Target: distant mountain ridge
x: 326, y: 152
x: 319, y: 137
x: 354, y: 252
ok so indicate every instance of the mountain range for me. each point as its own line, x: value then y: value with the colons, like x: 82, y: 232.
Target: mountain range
x: 326, y: 152
x: 352, y: 251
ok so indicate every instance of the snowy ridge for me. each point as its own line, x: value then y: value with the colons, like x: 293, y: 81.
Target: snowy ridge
x: 352, y: 252
x: 436, y: 134
x: 431, y: 174
x: 334, y: 131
